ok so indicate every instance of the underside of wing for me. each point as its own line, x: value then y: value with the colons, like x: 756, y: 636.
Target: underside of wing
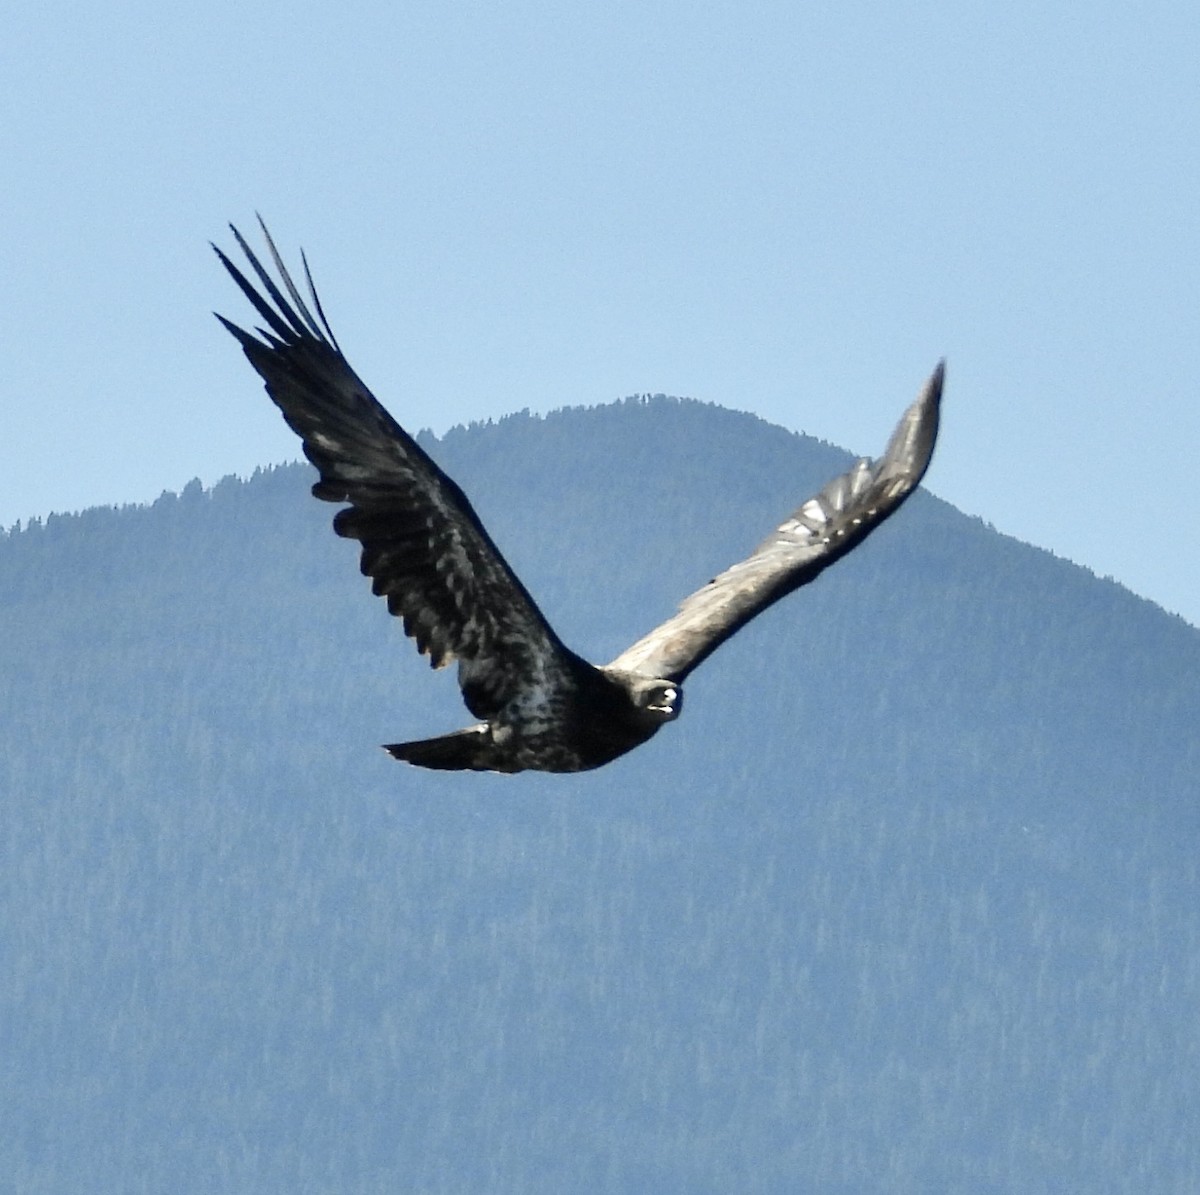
x: 819, y: 532
x: 423, y: 546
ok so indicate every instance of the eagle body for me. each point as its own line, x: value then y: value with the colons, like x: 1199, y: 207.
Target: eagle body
x: 601, y: 715
x: 540, y: 706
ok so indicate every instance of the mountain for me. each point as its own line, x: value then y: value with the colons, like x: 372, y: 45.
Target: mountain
x: 906, y: 901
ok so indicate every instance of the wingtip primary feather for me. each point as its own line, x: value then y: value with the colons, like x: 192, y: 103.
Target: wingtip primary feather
x: 910, y: 449
x: 316, y: 298
x: 301, y: 307
x: 937, y: 380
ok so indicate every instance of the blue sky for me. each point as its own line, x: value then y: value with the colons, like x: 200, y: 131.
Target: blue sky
x: 784, y: 208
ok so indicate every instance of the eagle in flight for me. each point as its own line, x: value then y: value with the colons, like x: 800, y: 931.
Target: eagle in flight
x: 539, y: 705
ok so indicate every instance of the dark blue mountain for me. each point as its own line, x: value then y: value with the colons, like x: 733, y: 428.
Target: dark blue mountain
x: 907, y: 900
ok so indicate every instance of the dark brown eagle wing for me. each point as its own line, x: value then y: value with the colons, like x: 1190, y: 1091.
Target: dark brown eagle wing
x: 423, y: 545
x: 819, y: 532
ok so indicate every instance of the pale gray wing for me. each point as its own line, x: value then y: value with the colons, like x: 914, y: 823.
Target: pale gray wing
x: 422, y: 544
x: 821, y: 531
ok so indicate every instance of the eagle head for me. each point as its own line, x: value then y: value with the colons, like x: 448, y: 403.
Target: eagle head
x: 656, y: 700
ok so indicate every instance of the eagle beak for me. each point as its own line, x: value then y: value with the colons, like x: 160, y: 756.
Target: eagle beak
x: 666, y: 704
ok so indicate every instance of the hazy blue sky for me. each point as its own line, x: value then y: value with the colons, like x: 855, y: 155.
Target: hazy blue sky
x: 788, y: 208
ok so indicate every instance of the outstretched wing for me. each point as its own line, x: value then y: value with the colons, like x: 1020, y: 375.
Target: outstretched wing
x: 821, y: 531
x: 422, y: 543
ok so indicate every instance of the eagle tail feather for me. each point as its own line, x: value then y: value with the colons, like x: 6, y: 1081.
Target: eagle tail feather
x: 470, y: 749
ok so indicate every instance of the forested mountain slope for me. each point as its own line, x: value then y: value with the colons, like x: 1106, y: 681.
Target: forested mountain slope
x: 907, y: 900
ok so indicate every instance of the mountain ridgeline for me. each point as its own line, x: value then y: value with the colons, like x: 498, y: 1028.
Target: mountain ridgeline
x: 907, y: 900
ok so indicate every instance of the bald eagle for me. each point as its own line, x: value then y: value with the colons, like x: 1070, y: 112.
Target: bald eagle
x: 540, y: 706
